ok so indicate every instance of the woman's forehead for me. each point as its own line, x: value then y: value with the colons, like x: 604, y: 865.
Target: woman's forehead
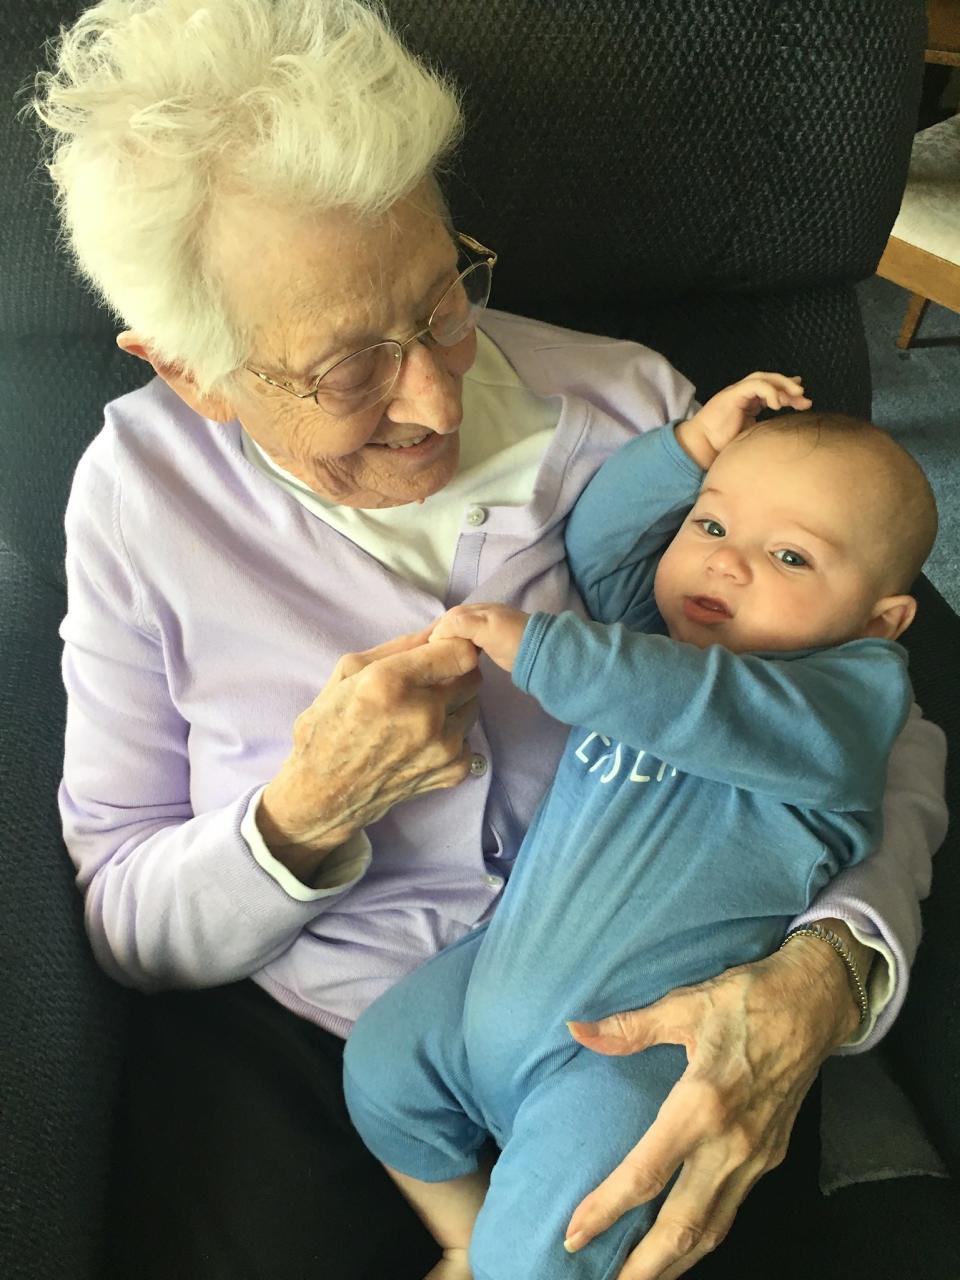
x: 329, y: 278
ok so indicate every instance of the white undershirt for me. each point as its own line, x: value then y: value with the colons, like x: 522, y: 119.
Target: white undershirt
x: 503, y: 436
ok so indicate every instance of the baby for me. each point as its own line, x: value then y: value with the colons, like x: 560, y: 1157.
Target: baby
x: 736, y: 693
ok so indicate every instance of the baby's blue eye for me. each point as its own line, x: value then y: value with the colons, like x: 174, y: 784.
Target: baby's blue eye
x: 792, y: 558
x: 712, y: 528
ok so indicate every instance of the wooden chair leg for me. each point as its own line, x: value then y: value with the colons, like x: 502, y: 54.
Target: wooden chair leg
x: 915, y: 309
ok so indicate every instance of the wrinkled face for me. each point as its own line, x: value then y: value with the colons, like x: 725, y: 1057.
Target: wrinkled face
x: 782, y: 550
x: 317, y: 290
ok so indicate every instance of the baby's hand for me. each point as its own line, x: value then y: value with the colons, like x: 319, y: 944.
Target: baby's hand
x: 495, y: 628
x: 734, y: 409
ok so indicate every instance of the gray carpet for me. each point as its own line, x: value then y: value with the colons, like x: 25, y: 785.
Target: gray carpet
x: 916, y: 396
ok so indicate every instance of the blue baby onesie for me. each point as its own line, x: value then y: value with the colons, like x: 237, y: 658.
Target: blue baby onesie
x: 702, y: 802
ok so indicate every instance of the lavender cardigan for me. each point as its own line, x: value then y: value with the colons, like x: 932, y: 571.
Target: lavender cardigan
x: 207, y: 608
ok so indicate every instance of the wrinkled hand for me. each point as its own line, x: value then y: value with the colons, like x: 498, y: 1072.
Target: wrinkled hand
x: 389, y: 724
x: 497, y: 629
x: 734, y: 409
x: 755, y: 1038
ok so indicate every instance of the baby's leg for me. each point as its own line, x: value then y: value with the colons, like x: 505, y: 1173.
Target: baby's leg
x: 448, y: 1210
x: 409, y: 1094
x: 571, y: 1130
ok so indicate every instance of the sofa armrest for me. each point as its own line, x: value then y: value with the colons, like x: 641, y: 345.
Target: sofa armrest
x: 61, y: 1019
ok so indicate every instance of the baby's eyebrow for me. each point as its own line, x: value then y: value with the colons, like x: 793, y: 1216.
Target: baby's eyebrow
x: 819, y: 537
x: 810, y: 533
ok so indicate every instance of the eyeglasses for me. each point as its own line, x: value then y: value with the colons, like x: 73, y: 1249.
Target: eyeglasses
x: 361, y: 380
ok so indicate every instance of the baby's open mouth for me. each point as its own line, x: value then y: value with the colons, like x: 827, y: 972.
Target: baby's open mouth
x: 711, y: 603
x: 705, y: 610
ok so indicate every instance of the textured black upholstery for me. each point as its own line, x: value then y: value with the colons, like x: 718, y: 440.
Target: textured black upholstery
x: 710, y: 176
x: 924, y: 1044
x: 60, y: 1018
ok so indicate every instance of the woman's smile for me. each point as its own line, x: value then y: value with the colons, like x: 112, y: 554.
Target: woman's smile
x: 408, y: 450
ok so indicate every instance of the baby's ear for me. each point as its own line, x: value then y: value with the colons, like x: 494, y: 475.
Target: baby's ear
x: 891, y: 617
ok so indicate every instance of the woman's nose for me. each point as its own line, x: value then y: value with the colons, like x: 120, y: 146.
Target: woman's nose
x: 426, y: 392
x: 727, y: 562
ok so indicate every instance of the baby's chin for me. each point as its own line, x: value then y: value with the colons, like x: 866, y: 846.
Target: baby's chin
x: 756, y: 644
x: 728, y: 637
x: 700, y: 637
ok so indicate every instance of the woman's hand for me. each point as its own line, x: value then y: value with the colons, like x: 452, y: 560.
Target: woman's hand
x: 388, y: 725
x: 497, y: 629
x: 755, y: 1038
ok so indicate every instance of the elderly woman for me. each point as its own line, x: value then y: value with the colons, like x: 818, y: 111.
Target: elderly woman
x: 340, y: 441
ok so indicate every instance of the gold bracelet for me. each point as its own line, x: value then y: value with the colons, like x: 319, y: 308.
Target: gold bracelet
x: 834, y: 940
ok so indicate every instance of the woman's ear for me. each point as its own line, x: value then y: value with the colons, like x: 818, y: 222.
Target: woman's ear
x: 891, y: 617
x: 212, y: 405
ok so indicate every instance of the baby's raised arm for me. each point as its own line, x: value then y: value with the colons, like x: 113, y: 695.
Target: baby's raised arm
x: 735, y: 408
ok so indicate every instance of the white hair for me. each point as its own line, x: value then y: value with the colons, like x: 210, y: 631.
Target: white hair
x: 158, y: 109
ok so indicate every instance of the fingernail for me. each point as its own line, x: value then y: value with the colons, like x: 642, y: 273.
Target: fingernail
x: 586, y: 1028
x: 574, y: 1242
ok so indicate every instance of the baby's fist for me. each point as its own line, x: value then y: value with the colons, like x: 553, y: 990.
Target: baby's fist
x: 497, y: 629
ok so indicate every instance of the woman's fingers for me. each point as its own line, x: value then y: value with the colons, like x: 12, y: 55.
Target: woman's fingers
x: 407, y: 696
x: 697, y: 1214
x: 424, y: 663
x: 431, y: 664
x: 444, y: 659
x: 645, y: 1170
x: 635, y: 1180
x: 671, y: 1247
x: 351, y: 663
x: 666, y: 1021
x: 449, y: 775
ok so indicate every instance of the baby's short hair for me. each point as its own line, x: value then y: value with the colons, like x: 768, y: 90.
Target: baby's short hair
x: 910, y: 514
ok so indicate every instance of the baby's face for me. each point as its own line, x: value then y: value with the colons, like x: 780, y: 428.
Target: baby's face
x: 782, y: 549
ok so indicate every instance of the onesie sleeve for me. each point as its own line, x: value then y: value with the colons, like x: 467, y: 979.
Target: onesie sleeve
x: 625, y: 518
x: 170, y: 898
x: 813, y: 730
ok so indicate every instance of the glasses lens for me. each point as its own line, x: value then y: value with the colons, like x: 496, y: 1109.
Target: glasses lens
x: 456, y: 314
x: 359, y: 380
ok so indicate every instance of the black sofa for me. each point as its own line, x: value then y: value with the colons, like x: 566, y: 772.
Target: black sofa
x: 710, y: 177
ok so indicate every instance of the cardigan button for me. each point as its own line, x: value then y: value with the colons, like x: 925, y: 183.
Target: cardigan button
x: 493, y: 882
x: 478, y: 765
